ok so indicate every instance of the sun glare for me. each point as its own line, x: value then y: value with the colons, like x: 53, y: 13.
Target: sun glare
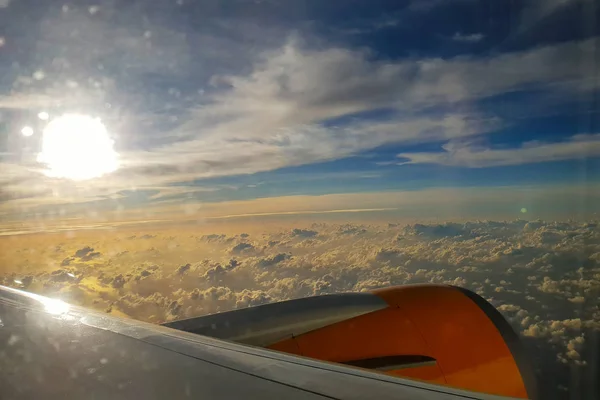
x: 77, y: 147
x: 55, y: 306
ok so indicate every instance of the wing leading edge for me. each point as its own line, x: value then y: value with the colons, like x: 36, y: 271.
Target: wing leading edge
x: 52, y: 350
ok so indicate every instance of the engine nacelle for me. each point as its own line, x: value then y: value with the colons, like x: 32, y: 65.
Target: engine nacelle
x: 436, y: 333
x: 440, y: 334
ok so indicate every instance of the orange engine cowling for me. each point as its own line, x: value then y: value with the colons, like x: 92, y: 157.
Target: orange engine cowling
x: 436, y: 333
x: 441, y: 334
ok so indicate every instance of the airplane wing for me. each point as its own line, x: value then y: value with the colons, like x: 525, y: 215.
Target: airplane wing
x: 51, y: 350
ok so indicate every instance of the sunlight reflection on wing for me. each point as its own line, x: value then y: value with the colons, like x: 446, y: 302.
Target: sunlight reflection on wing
x: 55, y: 306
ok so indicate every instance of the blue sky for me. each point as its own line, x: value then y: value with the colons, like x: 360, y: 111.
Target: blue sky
x: 218, y: 101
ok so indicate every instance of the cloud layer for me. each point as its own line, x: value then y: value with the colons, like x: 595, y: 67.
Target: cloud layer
x: 464, y: 155
x: 543, y: 276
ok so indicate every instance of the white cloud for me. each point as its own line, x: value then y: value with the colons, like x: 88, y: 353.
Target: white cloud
x: 457, y: 154
x: 296, y: 85
x: 272, y: 117
x: 574, y: 347
x: 250, y: 298
x: 468, y: 38
x: 509, y: 308
x: 403, y: 206
x: 535, y: 11
x: 577, y: 299
x: 533, y: 330
x: 24, y: 101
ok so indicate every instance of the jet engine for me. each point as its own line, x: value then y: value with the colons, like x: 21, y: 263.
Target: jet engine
x: 436, y: 333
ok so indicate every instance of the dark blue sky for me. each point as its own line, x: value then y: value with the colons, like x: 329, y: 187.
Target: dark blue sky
x: 226, y: 100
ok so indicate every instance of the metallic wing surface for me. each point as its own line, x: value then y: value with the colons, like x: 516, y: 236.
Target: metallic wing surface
x: 51, y: 350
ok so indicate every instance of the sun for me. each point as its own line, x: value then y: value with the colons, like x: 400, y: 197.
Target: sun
x: 77, y: 147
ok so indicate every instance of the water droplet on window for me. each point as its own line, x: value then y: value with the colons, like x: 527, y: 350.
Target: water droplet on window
x: 13, y: 339
x: 39, y: 75
x: 27, y: 131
